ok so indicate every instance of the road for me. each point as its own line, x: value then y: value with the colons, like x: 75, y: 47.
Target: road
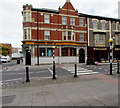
x: 18, y: 73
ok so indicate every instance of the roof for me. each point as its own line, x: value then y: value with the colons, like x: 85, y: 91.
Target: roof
x: 79, y: 14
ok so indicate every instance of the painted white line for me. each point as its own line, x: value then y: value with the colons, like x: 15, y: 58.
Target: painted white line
x: 83, y: 71
x: 87, y: 73
x: 12, y: 80
x: 50, y: 71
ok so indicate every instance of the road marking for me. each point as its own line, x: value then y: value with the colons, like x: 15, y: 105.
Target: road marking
x: 86, y: 73
x: 50, y: 71
x: 12, y: 80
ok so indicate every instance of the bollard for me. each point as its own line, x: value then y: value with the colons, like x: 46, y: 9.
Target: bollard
x: 118, y: 68
x: 75, y: 75
x: 110, y: 68
x: 27, y: 75
x: 54, y: 77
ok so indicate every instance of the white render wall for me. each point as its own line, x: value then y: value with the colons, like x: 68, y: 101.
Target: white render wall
x: 49, y: 60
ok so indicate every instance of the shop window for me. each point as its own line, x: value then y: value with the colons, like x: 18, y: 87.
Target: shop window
x: 49, y: 52
x: 64, y: 51
x: 72, y: 52
x: 42, y: 52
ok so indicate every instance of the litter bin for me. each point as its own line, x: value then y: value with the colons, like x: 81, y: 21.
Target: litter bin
x: 18, y: 61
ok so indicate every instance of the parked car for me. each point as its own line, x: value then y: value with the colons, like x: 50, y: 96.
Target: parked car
x: 5, y: 59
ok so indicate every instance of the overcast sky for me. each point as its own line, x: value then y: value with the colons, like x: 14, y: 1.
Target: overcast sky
x: 11, y: 17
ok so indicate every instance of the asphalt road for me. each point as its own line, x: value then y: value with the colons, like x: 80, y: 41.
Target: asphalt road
x: 19, y: 73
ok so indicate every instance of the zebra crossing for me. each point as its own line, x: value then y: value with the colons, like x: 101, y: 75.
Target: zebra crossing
x: 80, y: 71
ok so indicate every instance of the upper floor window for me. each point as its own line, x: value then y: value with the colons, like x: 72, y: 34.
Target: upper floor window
x: 72, y: 21
x: 68, y: 35
x: 99, y: 38
x: 26, y: 16
x: 103, y: 25
x: 46, y: 18
x: 95, y: 26
x: 81, y: 36
x: 117, y: 26
x: 64, y: 20
x: 81, y: 22
x: 27, y: 33
x: 47, y: 35
x: 117, y: 41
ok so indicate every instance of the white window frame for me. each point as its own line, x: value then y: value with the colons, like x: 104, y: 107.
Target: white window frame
x: 64, y: 20
x: 72, y: 21
x: 46, y: 18
x: 98, y: 39
x: 47, y: 35
x: 81, y: 22
x: 117, y: 39
x: 26, y: 16
x: 81, y: 37
x: 27, y: 35
x: 103, y: 25
x: 95, y: 24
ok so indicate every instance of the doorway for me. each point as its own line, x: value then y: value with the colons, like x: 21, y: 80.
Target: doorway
x: 28, y: 57
x: 81, y: 56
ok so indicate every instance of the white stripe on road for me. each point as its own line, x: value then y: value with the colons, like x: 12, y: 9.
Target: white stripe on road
x: 12, y: 80
x: 50, y: 71
x: 86, y: 73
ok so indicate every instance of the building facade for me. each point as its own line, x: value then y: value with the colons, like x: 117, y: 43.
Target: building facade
x: 63, y: 28
x: 77, y: 37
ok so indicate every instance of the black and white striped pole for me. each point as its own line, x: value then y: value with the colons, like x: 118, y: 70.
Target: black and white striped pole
x: 54, y: 76
x: 111, y: 54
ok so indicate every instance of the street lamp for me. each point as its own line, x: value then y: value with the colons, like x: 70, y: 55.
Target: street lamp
x: 54, y: 77
x: 111, y: 54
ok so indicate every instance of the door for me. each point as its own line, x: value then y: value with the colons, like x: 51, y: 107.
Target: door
x: 81, y: 56
x: 28, y: 57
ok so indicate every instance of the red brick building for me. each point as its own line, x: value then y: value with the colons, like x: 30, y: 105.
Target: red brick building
x: 65, y: 28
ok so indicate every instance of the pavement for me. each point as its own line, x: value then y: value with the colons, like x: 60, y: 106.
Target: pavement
x: 85, y: 90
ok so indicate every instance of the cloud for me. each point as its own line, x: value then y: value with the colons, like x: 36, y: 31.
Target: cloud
x: 11, y: 17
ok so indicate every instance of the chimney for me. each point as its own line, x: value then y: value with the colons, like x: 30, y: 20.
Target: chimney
x: 67, y: 0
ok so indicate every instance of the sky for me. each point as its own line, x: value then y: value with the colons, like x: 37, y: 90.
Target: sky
x: 11, y: 17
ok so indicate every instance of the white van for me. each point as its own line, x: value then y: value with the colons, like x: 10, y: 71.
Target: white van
x: 5, y: 59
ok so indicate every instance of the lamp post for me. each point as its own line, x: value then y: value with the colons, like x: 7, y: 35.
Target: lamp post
x: 54, y: 77
x: 111, y: 54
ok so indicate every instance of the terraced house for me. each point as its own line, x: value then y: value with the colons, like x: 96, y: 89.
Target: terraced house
x: 75, y: 36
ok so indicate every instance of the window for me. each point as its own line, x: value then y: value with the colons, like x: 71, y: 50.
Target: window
x: 99, y: 39
x: 72, y: 52
x: 94, y: 24
x: 46, y: 18
x: 28, y: 16
x: 28, y: 33
x: 64, y: 51
x: 49, y: 52
x: 47, y: 35
x: 25, y: 34
x: 81, y: 22
x: 69, y: 35
x: 117, y: 26
x: 42, y: 52
x: 24, y: 16
x: 72, y: 21
x: 64, y: 20
x: 64, y: 35
x: 81, y: 37
x: 96, y: 39
x: 117, y: 39
x: 103, y: 25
